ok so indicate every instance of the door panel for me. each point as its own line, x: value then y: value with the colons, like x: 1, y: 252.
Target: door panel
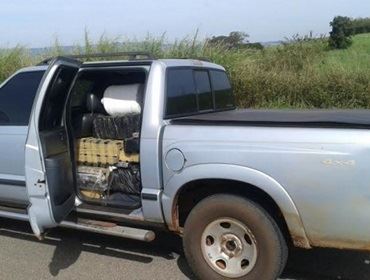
x: 58, y: 166
x: 53, y: 142
x: 17, y: 95
x: 12, y: 140
x: 12, y: 180
x: 49, y: 176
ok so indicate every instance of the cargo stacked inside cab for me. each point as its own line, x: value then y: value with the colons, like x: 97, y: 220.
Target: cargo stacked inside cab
x: 105, y: 115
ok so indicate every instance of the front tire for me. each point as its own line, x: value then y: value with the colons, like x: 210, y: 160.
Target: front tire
x: 230, y: 237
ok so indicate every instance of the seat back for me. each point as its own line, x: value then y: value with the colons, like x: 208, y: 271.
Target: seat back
x: 83, y: 123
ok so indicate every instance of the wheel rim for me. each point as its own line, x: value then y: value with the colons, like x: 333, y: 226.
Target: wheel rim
x: 229, y: 247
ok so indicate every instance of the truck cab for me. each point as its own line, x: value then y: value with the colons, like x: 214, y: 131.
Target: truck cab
x: 123, y: 147
x: 16, y: 99
x: 61, y: 115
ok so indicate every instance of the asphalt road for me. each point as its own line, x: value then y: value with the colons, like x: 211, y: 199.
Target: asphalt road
x: 68, y: 254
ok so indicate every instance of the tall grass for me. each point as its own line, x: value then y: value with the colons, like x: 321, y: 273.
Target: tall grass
x: 301, y: 73
x: 13, y: 59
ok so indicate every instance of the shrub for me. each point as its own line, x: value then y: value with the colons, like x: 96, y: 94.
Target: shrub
x: 340, y: 36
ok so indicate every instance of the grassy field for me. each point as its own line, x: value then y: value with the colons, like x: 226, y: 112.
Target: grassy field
x: 305, y: 75
x: 301, y: 74
x: 356, y: 58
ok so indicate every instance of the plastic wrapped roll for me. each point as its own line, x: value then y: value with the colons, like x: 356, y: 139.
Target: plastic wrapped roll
x: 119, y: 127
x: 122, y: 100
x: 125, y: 180
x: 92, y: 178
x: 132, y: 145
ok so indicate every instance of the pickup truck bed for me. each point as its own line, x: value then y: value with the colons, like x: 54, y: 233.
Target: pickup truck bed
x: 290, y: 118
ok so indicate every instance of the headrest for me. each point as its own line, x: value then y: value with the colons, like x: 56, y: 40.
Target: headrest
x: 93, y: 104
x: 122, y: 99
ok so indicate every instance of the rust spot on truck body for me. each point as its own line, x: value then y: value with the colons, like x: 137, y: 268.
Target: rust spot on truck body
x: 327, y: 228
x: 175, y: 225
x: 300, y: 242
x: 327, y: 242
x: 296, y: 230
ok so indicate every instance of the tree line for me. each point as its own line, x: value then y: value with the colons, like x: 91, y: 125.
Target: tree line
x: 343, y: 28
x: 359, y: 25
x: 235, y: 40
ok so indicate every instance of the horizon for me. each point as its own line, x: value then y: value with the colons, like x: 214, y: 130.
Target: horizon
x: 36, y: 24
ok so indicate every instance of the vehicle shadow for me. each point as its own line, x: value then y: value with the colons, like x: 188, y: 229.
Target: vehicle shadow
x: 69, y: 244
x: 316, y: 264
x: 327, y: 264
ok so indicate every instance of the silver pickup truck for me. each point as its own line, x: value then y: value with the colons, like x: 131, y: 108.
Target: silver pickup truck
x: 124, y: 147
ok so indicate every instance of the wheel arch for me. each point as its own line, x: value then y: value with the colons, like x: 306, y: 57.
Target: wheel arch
x: 207, y: 179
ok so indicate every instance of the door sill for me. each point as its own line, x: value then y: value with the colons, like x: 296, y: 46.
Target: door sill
x: 13, y: 204
x: 105, y: 211
x: 14, y: 213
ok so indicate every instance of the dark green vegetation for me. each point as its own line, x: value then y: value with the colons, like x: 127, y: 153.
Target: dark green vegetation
x: 235, y: 40
x: 343, y: 28
x: 360, y: 25
x: 340, y: 36
x: 303, y: 73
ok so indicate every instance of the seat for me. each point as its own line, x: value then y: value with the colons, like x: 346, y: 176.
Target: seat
x: 83, y: 122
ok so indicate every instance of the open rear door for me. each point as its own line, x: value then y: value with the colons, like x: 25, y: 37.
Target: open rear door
x: 49, y: 175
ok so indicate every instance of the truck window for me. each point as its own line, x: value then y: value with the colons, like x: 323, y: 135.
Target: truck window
x: 224, y: 98
x: 204, y: 91
x: 191, y: 91
x: 53, y: 106
x: 16, y: 98
x: 181, y: 97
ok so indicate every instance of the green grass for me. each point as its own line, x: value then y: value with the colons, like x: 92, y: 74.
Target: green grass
x: 306, y: 74
x: 356, y: 58
x: 301, y: 74
x: 13, y: 59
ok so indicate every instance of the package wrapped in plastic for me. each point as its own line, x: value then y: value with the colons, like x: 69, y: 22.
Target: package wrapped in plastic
x: 120, y: 100
x: 116, y: 127
x: 132, y: 145
x: 93, y: 194
x: 92, y: 178
x: 125, y: 180
x: 120, y: 200
x: 103, y: 152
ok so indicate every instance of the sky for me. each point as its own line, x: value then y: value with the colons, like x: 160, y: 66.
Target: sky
x: 36, y: 23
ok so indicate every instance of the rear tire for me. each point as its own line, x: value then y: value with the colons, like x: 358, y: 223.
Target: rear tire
x: 230, y: 237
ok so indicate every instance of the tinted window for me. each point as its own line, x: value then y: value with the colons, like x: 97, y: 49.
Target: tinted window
x: 56, y: 95
x: 203, y: 86
x: 16, y: 98
x: 181, y: 97
x: 222, y: 90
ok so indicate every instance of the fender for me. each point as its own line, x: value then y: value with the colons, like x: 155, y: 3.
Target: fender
x: 242, y: 174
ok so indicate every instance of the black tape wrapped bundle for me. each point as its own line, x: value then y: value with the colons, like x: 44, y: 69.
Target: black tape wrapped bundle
x: 132, y: 145
x: 125, y: 180
x: 116, y: 127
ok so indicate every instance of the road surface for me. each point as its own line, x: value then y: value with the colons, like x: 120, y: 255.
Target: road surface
x: 68, y: 254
